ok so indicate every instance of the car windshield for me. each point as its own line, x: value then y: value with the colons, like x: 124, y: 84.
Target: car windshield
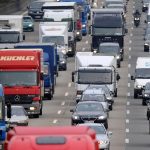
x: 17, y: 78
x: 147, y: 86
x: 59, y: 40
x: 95, y: 77
x: 99, y: 129
x: 109, y: 49
x: 89, y: 107
x: 27, y: 19
x: 36, y: 5
x: 95, y: 97
x: 142, y: 73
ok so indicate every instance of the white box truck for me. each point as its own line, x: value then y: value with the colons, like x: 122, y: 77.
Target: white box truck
x: 142, y: 75
x: 11, y: 29
x: 54, y: 32
x: 95, y: 70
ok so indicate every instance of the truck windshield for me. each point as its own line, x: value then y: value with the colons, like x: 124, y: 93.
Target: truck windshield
x: 17, y: 78
x: 142, y: 73
x: 59, y: 40
x: 9, y: 37
x: 95, y: 77
x: 107, y: 31
x: 70, y: 22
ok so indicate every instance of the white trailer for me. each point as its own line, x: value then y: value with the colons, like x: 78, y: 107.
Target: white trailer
x: 95, y: 70
x: 11, y: 29
x: 54, y: 32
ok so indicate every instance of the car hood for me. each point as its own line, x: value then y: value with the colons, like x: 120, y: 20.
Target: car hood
x: 27, y: 23
x: 87, y: 113
x: 101, y: 137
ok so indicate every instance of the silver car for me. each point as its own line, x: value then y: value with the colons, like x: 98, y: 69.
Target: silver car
x: 19, y: 116
x: 102, y: 135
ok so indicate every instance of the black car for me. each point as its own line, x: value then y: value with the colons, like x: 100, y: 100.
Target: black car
x: 62, y: 60
x: 88, y: 111
x: 147, y: 43
x: 111, y: 49
x: 146, y: 93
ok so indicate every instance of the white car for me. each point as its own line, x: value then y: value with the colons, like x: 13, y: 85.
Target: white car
x: 19, y: 116
x: 102, y: 135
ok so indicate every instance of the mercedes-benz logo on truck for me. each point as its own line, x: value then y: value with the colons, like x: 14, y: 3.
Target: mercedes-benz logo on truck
x: 17, y: 98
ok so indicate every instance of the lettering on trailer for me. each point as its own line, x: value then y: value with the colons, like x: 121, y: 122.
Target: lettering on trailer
x: 15, y: 58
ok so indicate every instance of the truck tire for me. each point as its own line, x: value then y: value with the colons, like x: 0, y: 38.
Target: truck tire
x: 116, y: 93
x: 135, y: 95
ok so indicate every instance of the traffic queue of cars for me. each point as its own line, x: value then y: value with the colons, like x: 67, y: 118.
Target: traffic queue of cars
x: 29, y: 70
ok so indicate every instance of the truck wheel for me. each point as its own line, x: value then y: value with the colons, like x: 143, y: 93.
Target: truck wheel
x: 116, y: 93
x: 143, y: 102
x: 135, y: 95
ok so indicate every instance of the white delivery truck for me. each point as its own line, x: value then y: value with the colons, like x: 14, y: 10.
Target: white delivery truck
x: 54, y: 32
x: 142, y: 75
x: 95, y: 70
x: 64, y: 15
x: 65, y: 11
x: 11, y: 29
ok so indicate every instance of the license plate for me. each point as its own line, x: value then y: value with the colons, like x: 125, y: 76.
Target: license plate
x: 88, y: 121
x: 38, y: 17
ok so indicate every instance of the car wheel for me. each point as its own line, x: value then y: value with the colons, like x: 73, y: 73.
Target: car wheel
x: 143, y: 102
x: 135, y: 95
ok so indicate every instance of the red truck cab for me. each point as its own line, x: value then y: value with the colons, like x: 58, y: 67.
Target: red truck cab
x: 51, y: 131
x: 21, y: 76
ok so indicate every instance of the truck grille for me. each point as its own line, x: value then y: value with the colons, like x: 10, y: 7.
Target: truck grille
x: 18, y: 99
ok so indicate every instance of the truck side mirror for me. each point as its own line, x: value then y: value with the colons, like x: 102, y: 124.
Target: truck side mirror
x: 41, y: 76
x: 73, y: 73
x: 24, y: 37
x: 132, y: 78
x: 9, y: 110
x: 118, y: 77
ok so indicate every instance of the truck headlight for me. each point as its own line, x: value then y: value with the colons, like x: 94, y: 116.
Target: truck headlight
x: 62, y: 62
x: 75, y: 117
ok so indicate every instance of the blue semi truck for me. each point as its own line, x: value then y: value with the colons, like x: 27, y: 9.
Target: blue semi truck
x: 51, y: 60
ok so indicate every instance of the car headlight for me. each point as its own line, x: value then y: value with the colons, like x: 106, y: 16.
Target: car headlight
x: 146, y: 44
x: 144, y: 6
x: 101, y: 117
x: 83, y: 25
x: 62, y: 62
x: 78, y: 33
x: 69, y: 49
x: 75, y: 117
x: 103, y: 142
x: 139, y: 86
x: 118, y: 57
x: 146, y: 95
x: 109, y: 98
x: 30, y: 25
x: 136, y: 18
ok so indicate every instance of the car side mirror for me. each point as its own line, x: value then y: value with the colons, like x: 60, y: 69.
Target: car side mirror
x: 71, y: 110
x: 109, y: 133
x: 9, y: 110
x: 118, y: 77
x: 73, y: 73
x: 132, y: 78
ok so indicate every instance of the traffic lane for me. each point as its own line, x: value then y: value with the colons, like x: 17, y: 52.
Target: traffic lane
x: 138, y: 125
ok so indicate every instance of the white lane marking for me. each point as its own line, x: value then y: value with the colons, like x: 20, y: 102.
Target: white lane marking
x: 129, y: 84
x: 128, y: 103
x: 128, y: 112
x: 131, y: 28
x: 131, y: 34
x: 83, y: 49
x: 127, y: 120
x: 24, y: 13
x: 127, y: 130
x: 69, y: 84
x: 129, y: 75
x: 63, y: 103
x: 129, y: 48
x: 66, y: 94
x: 129, y: 65
x: 130, y: 41
x: 55, y: 121
x: 59, y: 112
x: 86, y: 42
x: 128, y: 94
x: 126, y: 141
x: 129, y: 56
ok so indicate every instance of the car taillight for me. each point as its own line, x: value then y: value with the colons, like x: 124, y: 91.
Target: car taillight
x: 79, y: 24
x: 79, y: 92
x: 36, y: 98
